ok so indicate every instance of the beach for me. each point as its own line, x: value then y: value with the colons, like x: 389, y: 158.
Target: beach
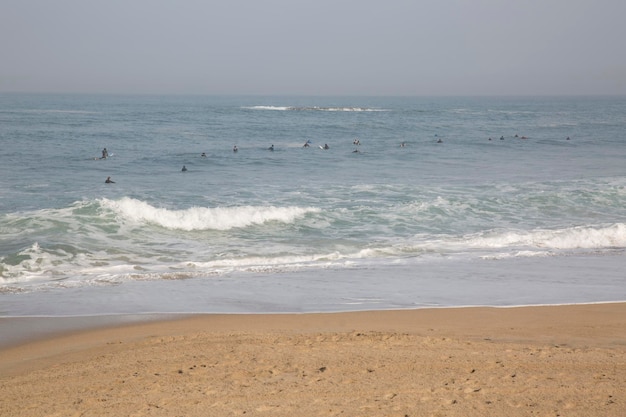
x: 478, y: 361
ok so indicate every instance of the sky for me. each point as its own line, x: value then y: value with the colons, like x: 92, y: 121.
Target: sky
x: 321, y: 47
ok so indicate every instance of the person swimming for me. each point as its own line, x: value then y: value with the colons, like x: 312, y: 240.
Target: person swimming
x: 203, y: 155
x: 109, y: 181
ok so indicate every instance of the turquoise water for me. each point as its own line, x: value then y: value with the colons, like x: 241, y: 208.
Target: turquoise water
x: 536, y: 215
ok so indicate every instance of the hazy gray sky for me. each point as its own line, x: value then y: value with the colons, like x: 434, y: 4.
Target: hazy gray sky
x: 336, y: 47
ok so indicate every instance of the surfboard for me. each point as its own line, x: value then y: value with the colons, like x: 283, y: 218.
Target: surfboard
x: 96, y: 158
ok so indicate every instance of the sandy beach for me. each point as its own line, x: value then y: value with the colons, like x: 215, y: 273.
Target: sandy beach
x: 539, y: 361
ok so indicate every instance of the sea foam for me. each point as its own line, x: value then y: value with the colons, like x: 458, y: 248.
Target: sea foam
x: 203, y: 218
x: 316, y: 108
x: 582, y: 237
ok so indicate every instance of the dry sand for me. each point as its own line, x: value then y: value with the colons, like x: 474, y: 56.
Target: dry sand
x: 528, y: 361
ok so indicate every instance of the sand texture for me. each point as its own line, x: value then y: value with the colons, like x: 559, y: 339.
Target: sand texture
x: 530, y: 361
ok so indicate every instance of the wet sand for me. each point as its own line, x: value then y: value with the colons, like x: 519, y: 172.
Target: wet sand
x: 541, y: 361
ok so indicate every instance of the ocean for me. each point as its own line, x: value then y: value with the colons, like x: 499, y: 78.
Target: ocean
x: 417, y: 202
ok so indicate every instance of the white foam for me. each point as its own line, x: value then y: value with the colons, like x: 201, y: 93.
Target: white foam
x: 317, y: 108
x: 281, y: 108
x: 583, y: 237
x: 204, y: 218
x: 36, y: 265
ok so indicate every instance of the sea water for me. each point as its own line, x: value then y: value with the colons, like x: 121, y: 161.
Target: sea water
x: 417, y: 202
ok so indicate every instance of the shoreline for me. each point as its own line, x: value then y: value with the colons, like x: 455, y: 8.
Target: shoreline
x: 544, y: 360
x: 18, y: 330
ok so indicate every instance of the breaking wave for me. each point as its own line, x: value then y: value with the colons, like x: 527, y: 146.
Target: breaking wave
x: 317, y: 108
x: 582, y: 237
x: 203, y: 218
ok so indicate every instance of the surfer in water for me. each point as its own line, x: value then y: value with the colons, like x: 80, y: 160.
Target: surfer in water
x: 105, y: 153
x: 109, y: 181
x: 235, y: 148
x: 184, y: 169
x: 271, y: 148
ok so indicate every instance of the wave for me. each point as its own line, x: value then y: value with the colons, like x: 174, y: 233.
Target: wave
x: 582, y: 237
x: 317, y: 108
x: 203, y: 218
x: 109, y: 241
x: 65, y: 266
x: 504, y: 244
